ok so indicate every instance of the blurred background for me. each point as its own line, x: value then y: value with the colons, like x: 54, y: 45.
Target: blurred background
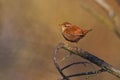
x: 29, y: 32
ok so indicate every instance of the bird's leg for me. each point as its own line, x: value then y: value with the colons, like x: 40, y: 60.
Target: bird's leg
x: 66, y: 43
x: 75, y: 46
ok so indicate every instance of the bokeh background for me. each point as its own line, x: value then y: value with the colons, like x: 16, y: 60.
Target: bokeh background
x: 29, y: 32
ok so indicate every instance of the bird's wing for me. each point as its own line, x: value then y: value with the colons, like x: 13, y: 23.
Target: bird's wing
x: 74, y: 31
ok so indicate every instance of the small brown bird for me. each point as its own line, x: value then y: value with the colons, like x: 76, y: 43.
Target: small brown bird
x: 73, y: 33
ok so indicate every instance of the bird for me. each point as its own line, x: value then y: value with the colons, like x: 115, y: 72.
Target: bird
x: 72, y: 33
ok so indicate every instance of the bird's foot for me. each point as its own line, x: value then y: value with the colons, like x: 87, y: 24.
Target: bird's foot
x: 75, y: 48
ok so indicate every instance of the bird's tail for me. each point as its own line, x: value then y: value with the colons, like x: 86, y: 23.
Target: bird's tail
x: 86, y: 31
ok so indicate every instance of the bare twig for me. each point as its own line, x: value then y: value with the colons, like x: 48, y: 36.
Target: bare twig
x: 75, y: 63
x: 87, y: 73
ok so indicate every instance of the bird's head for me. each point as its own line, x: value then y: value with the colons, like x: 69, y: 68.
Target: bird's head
x: 65, y: 25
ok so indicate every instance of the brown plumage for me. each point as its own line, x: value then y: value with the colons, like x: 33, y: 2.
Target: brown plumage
x: 73, y: 33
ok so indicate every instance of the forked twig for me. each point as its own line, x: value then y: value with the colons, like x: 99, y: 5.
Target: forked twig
x: 86, y: 55
x: 99, y: 62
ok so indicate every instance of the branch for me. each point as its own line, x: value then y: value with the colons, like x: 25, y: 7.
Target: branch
x: 86, y: 55
x: 66, y: 77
